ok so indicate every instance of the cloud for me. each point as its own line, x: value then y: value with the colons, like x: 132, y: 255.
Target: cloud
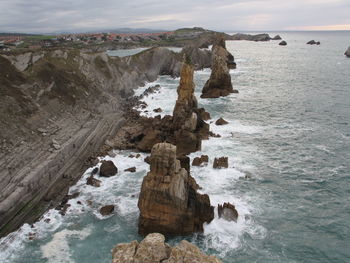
x: 226, y: 15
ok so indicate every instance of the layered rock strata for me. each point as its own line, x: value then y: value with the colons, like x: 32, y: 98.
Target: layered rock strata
x: 153, y: 249
x: 219, y: 84
x: 169, y: 202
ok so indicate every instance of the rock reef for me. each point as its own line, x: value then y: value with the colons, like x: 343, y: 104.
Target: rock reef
x: 168, y: 201
x: 153, y: 249
x: 219, y: 84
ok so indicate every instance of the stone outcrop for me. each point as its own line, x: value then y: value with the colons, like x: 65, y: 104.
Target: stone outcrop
x: 248, y: 37
x: 107, y: 210
x: 153, y: 249
x: 168, y: 202
x: 313, y: 42
x: 277, y: 37
x: 221, y: 162
x: 283, y: 43
x: 228, y: 212
x: 93, y: 181
x: 108, y: 169
x: 347, y: 52
x: 219, y: 84
x: 198, y: 161
x: 221, y: 121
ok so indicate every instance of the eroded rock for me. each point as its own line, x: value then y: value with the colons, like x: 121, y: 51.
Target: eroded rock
x: 107, y: 210
x: 93, y: 181
x: 108, y: 169
x: 221, y: 121
x: 221, y: 162
x: 198, y: 161
x: 228, y: 212
x: 131, y: 170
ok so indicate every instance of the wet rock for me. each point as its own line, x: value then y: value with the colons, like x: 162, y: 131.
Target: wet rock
x: 219, y: 83
x: 184, y: 162
x: 347, y: 52
x: 277, y: 37
x: 107, y: 210
x: 168, y: 202
x: 283, y: 43
x: 153, y: 249
x: 151, y: 138
x: 221, y: 162
x: 131, y: 170
x: 228, y: 212
x: 148, y: 159
x: 138, y: 155
x: 215, y: 135
x: 198, y: 161
x: 221, y: 121
x: 203, y: 114
x: 311, y: 42
x: 93, y: 181
x: 108, y: 169
x: 94, y: 171
x: 158, y: 110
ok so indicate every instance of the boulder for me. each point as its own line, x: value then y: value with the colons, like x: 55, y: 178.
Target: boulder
x: 131, y: 170
x: 153, y: 249
x: 347, y: 52
x: 283, y: 43
x: 198, y: 161
x: 107, y: 210
x: 221, y: 121
x: 228, y: 212
x: 168, y: 202
x: 311, y: 42
x: 211, y: 134
x: 221, y: 162
x: 93, y: 181
x: 158, y: 110
x: 277, y: 37
x: 219, y: 83
x: 108, y: 169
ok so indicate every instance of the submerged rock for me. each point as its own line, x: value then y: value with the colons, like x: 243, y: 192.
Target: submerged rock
x: 313, y: 42
x: 131, y: 170
x: 283, y: 43
x: 347, y: 53
x: 108, y: 169
x: 168, y: 202
x: 153, y: 249
x: 219, y: 83
x: 221, y: 121
x: 221, y: 162
x: 228, y: 212
x: 107, y: 210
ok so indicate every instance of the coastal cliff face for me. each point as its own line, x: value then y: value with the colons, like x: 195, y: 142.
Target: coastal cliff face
x: 168, y: 202
x: 219, y: 83
x: 57, y: 108
x: 153, y: 249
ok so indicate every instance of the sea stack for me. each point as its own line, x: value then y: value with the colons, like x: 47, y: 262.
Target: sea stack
x: 168, y: 202
x: 347, y: 53
x: 219, y: 84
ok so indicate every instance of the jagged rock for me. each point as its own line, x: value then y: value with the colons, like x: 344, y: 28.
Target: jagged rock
x: 347, y: 52
x: 219, y: 83
x: 153, y: 249
x: 158, y: 110
x: 93, y: 181
x: 283, y: 43
x: 168, y: 202
x: 228, y: 212
x: 221, y: 162
x: 221, y: 121
x: 198, y: 161
x: 108, y: 169
x: 200, y: 58
x: 131, y: 170
x: 148, y: 159
x: 107, y: 210
x: 184, y: 162
x: 211, y: 134
x: 277, y: 37
x: 311, y: 42
x: 151, y: 138
x: 203, y: 114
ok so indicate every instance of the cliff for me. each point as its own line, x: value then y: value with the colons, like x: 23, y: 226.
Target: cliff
x: 57, y: 108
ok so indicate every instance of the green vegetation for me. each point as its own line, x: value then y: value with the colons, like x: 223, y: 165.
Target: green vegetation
x: 40, y: 37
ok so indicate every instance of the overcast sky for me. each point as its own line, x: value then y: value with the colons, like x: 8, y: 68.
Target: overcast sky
x: 226, y: 15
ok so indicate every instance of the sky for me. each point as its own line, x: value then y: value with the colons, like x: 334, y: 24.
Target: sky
x: 47, y: 16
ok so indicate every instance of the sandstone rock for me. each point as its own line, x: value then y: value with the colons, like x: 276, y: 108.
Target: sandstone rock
x: 203, y: 114
x: 198, y: 161
x: 347, y: 52
x: 168, y: 202
x: 107, y: 210
x: 283, y: 43
x: 93, y: 181
x: 131, y: 170
x: 228, y: 212
x: 221, y: 162
x: 108, y: 169
x: 184, y: 162
x: 221, y: 121
x: 153, y: 249
x: 277, y: 37
x: 219, y: 83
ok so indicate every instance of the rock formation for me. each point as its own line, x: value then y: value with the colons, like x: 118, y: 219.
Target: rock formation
x: 168, y: 202
x: 347, y: 53
x: 221, y: 121
x: 248, y: 37
x: 107, y: 210
x: 221, y: 162
x: 228, y: 212
x: 283, y: 43
x: 198, y: 161
x: 277, y: 37
x: 153, y: 249
x: 108, y: 169
x: 219, y: 83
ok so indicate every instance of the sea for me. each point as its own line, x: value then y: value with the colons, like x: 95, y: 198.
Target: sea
x: 288, y: 145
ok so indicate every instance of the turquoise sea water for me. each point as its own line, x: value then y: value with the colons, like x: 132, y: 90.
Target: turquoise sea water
x: 288, y: 143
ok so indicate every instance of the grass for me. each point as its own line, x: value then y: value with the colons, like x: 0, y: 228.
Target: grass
x: 40, y: 37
